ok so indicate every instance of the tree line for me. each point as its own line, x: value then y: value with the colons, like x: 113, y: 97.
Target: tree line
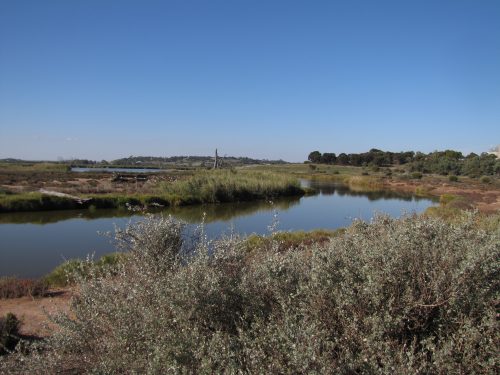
x: 448, y: 162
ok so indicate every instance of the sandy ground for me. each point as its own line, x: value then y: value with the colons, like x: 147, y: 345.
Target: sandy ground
x: 33, y: 312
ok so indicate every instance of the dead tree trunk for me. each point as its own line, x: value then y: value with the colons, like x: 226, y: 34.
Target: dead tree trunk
x: 216, y: 161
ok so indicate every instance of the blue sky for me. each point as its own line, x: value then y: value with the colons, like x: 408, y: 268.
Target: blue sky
x: 266, y: 79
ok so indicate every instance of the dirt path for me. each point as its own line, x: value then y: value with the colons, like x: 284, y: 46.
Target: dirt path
x: 33, y: 312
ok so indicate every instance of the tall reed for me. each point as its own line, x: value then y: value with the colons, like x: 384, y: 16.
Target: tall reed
x: 231, y: 185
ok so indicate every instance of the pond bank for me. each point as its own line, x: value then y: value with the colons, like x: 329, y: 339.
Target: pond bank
x: 203, y: 187
x: 485, y: 198
x: 469, y: 193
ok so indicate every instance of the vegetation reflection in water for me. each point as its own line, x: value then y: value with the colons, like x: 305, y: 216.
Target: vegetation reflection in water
x: 190, y: 214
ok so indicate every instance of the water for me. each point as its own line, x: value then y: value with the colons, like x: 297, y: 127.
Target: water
x: 118, y: 170
x: 32, y: 244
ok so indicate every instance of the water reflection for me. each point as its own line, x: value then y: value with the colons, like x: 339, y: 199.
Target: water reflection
x: 229, y: 211
x: 189, y: 214
x: 323, y: 187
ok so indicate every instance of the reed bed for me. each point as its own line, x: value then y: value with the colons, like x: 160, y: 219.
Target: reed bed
x: 203, y: 187
x: 231, y: 185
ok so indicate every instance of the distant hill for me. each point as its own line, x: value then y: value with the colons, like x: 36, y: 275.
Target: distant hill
x: 191, y: 161
x: 11, y: 160
x: 158, y: 162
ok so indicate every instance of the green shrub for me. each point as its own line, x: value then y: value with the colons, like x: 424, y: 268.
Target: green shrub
x: 416, y: 295
x: 422, y: 191
x: 451, y: 207
x: 445, y: 199
x: 69, y: 272
x: 485, y: 180
x: 416, y: 175
x: 9, y: 333
x: 453, y: 178
x: 65, y: 273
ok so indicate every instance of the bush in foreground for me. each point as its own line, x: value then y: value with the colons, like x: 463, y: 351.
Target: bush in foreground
x: 9, y: 333
x: 415, y: 295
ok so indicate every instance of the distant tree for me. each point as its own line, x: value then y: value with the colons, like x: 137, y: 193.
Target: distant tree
x: 453, y: 154
x: 343, y: 159
x: 419, y: 156
x: 404, y: 157
x: 356, y: 159
x: 472, y: 167
x: 328, y: 158
x: 314, y: 157
x: 379, y: 160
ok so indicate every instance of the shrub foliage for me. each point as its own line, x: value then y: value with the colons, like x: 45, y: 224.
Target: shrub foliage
x: 415, y: 295
x: 9, y: 333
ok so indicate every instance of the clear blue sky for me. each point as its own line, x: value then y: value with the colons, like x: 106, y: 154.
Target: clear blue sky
x: 266, y: 79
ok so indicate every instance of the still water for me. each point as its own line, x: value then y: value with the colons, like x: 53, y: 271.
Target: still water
x: 32, y: 244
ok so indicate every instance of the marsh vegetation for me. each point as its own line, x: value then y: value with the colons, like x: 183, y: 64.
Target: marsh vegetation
x: 162, y: 190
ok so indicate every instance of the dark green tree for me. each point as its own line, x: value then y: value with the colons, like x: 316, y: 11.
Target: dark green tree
x: 314, y: 157
x: 328, y: 158
x: 343, y: 159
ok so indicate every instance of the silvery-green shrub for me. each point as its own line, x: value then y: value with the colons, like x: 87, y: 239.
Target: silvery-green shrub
x: 416, y: 295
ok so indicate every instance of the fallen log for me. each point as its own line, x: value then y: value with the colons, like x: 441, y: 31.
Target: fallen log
x: 79, y: 200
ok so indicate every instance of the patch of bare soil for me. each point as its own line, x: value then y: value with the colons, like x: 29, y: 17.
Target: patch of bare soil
x: 33, y: 312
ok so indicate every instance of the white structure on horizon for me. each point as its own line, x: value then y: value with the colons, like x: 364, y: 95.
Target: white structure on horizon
x: 495, y: 151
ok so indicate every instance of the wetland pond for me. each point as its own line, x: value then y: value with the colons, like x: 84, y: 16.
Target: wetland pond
x: 34, y: 243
